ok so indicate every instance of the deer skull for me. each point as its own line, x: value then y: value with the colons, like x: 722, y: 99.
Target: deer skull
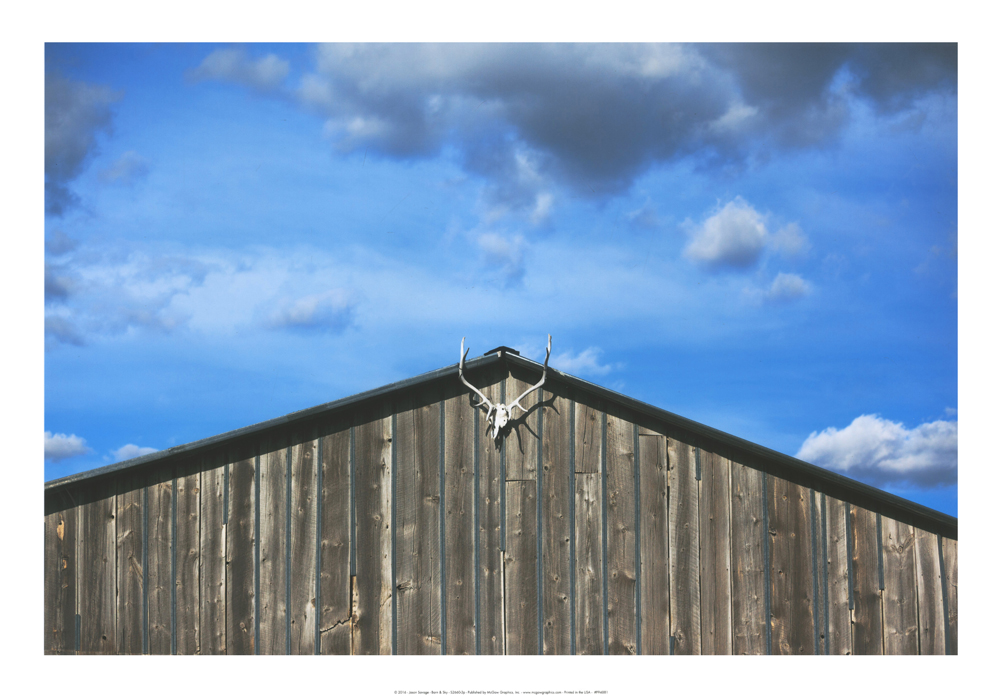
x: 499, y: 414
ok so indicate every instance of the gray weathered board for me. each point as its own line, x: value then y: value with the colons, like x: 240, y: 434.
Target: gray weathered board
x: 398, y: 525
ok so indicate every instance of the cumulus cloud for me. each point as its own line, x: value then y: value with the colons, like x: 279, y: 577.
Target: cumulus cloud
x: 234, y: 65
x: 330, y: 311
x: 585, y: 363
x: 882, y: 452
x: 131, y: 451
x: 127, y: 170
x: 61, y: 446
x: 503, y: 257
x: 787, y: 287
x: 75, y: 112
x: 731, y: 237
x: 789, y: 240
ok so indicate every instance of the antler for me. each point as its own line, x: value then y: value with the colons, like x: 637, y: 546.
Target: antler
x: 535, y: 386
x: 463, y: 356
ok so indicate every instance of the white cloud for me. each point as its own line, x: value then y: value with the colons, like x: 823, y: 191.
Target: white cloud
x: 585, y: 363
x: 131, y: 451
x: 733, y: 236
x: 883, y: 452
x: 787, y: 287
x: 790, y: 240
x: 503, y: 256
x: 329, y: 311
x: 127, y: 170
x: 266, y: 73
x: 60, y: 446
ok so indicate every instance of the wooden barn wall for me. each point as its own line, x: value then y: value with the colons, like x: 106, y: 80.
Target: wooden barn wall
x: 400, y: 527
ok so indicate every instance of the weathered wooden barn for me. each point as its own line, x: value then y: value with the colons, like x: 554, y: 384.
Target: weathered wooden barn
x: 391, y: 523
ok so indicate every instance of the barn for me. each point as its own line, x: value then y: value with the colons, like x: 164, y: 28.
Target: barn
x: 392, y: 522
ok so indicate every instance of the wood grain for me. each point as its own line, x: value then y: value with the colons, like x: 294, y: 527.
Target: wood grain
x: 240, y: 559
x: 60, y: 579
x: 791, y: 587
x: 521, y: 438
x: 159, y: 581
x: 129, y: 557
x: 373, y: 633
x: 899, y: 615
x: 715, y: 554
x: 621, y: 534
x: 588, y: 433
x: 520, y: 569
x: 491, y: 622
x: 950, y: 548
x: 303, y: 545
x: 588, y: 564
x: 418, y: 566
x: 556, y: 521
x: 749, y: 612
x: 867, y: 635
x: 335, y: 541
x: 460, y: 527
x: 684, y: 547
x: 212, y: 557
x: 272, y: 551
x: 929, y: 594
x: 97, y: 570
x: 186, y: 581
x: 654, y: 533
x: 840, y: 628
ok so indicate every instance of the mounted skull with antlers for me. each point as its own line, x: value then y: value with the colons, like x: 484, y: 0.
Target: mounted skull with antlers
x: 499, y: 414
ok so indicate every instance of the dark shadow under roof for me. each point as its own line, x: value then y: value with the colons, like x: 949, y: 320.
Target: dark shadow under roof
x: 751, y: 454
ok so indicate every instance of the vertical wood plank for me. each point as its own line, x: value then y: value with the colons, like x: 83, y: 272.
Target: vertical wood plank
x: 715, y: 554
x: 240, y: 559
x: 97, y: 571
x: 620, y: 543
x: 373, y: 633
x: 819, y: 516
x: 654, y: 533
x: 460, y: 527
x: 748, y: 561
x: 129, y: 514
x: 684, y: 548
x: 556, y: 523
x: 272, y: 551
x: 520, y: 442
x: 303, y: 545
x: 212, y: 599
x: 929, y: 594
x: 901, y: 627
x: 491, y: 622
x: 791, y: 613
x: 159, y: 581
x: 950, y: 548
x: 186, y: 581
x: 840, y: 628
x: 520, y: 569
x: 60, y: 579
x: 867, y: 635
x: 588, y: 434
x: 588, y: 563
x: 418, y: 566
x: 335, y: 544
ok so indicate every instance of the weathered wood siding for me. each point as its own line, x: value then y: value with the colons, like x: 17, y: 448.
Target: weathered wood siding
x: 399, y: 525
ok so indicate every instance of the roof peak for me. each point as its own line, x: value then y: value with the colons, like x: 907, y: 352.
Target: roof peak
x: 501, y: 349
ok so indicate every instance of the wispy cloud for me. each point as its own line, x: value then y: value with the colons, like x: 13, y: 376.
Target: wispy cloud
x: 131, y: 451
x: 129, y: 169
x: 61, y: 446
x: 502, y: 257
x: 585, y: 363
x: 882, y: 452
x: 264, y: 74
x: 329, y: 311
x: 787, y: 287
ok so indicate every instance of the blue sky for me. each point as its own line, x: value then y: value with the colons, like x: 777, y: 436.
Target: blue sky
x: 762, y: 238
